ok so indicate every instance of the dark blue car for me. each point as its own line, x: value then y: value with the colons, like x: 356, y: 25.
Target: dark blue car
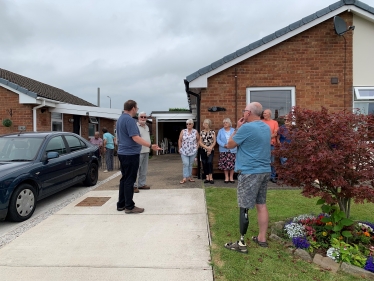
x: 39, y: 164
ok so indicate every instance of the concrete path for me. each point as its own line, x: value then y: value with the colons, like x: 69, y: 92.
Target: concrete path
x: 169, y: 241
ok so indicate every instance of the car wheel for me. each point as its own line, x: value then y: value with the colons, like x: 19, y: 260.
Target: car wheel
x: 92, y: 175
x: 22, y: 203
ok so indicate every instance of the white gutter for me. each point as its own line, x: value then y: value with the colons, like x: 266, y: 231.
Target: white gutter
x: 49, y: 100
x: 34, y: 114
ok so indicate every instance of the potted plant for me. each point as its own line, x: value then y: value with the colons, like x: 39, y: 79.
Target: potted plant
x: 194, y: 167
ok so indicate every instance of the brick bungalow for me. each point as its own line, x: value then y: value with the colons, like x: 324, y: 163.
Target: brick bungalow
x: 305, y: 64
x: 35, y: 106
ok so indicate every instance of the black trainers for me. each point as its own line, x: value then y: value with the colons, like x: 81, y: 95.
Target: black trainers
x: 135, y: 210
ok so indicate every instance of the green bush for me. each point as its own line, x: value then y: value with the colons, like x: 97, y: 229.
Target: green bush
x: 7, y: 122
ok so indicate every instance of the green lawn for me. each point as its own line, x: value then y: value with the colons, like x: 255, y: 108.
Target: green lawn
x: 275, y: 262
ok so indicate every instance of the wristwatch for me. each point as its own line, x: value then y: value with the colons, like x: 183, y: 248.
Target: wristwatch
x: 150, y: 146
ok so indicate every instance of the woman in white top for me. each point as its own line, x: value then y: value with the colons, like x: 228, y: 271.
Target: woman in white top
x: 188, y: 144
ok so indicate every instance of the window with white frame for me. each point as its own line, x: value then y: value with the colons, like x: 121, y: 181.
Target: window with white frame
x: 363, y: 100
x: 279, y: 100
x: 92, y: 126
x: 56, y: 122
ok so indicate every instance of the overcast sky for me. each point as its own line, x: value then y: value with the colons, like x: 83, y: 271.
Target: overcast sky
x: 140, y: 49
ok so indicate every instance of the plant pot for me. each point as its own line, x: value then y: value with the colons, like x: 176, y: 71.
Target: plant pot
x: 194, y: 171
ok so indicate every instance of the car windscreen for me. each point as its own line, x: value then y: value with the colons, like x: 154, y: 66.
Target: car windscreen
x: 19, y: 148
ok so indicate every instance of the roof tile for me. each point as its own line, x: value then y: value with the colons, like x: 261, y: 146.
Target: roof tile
x: 31, y: 87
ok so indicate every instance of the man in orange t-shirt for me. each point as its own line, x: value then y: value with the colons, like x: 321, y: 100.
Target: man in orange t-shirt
x: 273, y: 125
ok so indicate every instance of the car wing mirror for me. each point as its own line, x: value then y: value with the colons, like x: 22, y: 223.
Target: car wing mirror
x: 52, y: 155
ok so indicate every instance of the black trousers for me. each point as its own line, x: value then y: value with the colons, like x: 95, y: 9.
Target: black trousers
x: 207, y: 161
x: 129, y: 170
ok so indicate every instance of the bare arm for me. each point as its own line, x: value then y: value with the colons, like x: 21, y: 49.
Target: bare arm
x: 180, y: 141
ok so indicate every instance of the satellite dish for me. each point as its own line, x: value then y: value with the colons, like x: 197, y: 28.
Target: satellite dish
x: 340, y: 25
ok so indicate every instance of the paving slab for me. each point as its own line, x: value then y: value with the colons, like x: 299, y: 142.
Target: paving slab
x: 169, y: 241
x: 155, y: 202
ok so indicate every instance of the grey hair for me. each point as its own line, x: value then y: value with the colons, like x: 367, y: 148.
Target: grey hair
x: 256, y: 108
x: 209, y: 122
x: 271, y: 113
x: 142, y: 113
x: 228, y: 121
x: 190, y: 121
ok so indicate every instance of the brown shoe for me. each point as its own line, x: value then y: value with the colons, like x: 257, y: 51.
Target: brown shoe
x: 144, y: 187
x: 136, y: 190
x: 135, y: 210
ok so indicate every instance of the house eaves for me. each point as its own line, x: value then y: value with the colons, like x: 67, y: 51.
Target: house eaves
x: 199, y: 79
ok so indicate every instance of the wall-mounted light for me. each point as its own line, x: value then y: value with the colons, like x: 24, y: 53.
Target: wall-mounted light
x: 71, y: 120
x: 87, y: 113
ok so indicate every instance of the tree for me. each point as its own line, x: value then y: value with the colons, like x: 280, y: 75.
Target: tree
x: 331, y: 156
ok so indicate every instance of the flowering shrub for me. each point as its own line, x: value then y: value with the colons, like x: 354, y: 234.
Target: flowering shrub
x: 301, y: 242
x: 332, y: 234
x: 295, y: 230
x: 369, y: 266
x: 333, y: 253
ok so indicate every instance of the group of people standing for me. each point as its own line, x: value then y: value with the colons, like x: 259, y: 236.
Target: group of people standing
x: 190, y: 141
x: 245, y: 150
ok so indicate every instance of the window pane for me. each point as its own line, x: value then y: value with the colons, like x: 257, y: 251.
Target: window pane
x: 279, y: 100
x: 56, y: 144
x: 73, y: 143
x: 364, y: 107
x: 55, y: 115
x: 56, y: 126
x: 91, y: 129
x: 366, y: 94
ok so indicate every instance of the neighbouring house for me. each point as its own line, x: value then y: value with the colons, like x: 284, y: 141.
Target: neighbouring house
x: 305, y: 64
x: 34, y: 106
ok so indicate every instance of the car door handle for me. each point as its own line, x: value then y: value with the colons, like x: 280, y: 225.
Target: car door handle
x: 68, y: 162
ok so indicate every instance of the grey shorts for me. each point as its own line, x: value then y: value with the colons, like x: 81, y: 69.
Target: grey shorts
x: 252, y: 189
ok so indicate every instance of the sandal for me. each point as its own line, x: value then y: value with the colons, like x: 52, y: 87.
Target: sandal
x: 261, y: 244
x: 191, y: 180
x: 237, y: 246
x: 182, y: 181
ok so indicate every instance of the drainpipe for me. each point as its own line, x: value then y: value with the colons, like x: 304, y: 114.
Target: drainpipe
x: 236, y: 96
x: 34, y: 115
x: 187, y: 88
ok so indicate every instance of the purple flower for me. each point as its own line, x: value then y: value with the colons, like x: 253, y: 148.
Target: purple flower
x: 369, y: 266
x: 300, y: 242
x: 368, y: 223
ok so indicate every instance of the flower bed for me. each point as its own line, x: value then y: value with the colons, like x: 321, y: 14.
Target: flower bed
x: 331, y: 234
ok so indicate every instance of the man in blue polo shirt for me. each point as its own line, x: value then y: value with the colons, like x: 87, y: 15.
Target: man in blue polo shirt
x: 252, y: 137
x: 129, y: 146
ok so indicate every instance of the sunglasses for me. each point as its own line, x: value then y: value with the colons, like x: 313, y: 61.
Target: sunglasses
x: 142, y: 116
x: 188, y: 123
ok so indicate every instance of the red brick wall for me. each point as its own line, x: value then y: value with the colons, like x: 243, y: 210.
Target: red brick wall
x: 306, y: 61
x: 23, y: 116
